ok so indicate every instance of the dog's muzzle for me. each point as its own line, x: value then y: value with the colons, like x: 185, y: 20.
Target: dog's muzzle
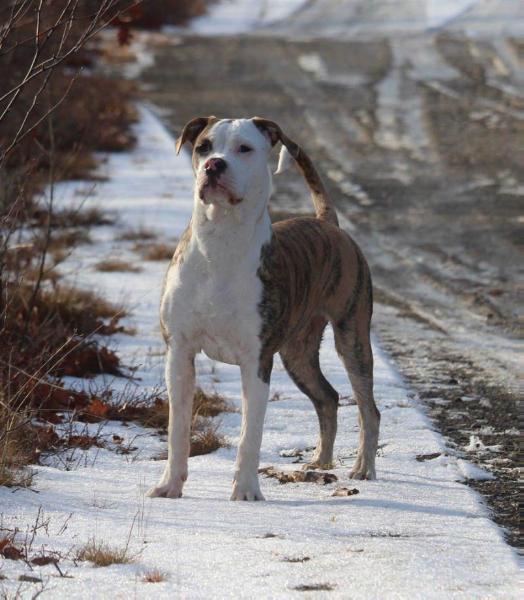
x: 213, y: 169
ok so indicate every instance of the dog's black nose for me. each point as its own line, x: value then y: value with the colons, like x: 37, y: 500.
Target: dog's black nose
x: 215, y: 166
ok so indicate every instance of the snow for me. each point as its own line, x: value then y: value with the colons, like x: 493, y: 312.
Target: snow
x: 471, y: 471
x: 237, y: 16
x: 416, y: 532
x: 441, y: 12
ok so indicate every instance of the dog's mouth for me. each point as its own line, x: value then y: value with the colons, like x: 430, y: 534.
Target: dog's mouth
x: 211, y: 190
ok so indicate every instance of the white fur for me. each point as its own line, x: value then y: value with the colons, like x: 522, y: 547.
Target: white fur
x: 211, y: 300
x: 284, y: 160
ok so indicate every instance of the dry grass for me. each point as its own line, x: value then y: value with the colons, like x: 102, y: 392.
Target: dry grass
x: 65, y: 239
x: 159, y: 251
x: 155, y: 413
x: 210, y: 404
x: 154, y: 576
x: 80, y: 311
x: 104, y: 555
x: 67, y: 218
x: 15, y: 447
x: 112, y: 265
x: 44, y: 337
x: 15, y: 477
x: 140, y: 233
x: 205, y: 438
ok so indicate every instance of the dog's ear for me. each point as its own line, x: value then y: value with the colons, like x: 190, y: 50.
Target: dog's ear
x: 268, y: 128
x: 192, y: 130
x: 275, y: 134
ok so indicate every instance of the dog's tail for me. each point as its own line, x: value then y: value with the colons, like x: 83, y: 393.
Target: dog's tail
x: 324, y: 208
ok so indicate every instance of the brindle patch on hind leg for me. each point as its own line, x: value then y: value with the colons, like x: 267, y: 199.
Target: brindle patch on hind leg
x: 300, y: 358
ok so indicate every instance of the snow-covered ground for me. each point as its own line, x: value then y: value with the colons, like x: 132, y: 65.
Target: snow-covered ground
x: 416, y: 532
x: 236, y: 16
x: 343, y: 19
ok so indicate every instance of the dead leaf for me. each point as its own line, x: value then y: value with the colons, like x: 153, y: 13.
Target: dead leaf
x: 343, y: 491
x: 29, y: 579
x: 12, y: 552
x: 43, y: 560
x: 299, y: 476
x: 423, y: 457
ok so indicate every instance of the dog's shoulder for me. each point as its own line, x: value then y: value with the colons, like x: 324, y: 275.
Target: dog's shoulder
x: 181, y: 247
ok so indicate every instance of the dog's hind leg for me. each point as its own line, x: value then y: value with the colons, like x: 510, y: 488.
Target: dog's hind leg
x: 354, y: 348
x: 180, y: 380
x: 300, y: 358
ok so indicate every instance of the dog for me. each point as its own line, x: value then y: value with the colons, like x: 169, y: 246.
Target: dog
x: 241, y: 289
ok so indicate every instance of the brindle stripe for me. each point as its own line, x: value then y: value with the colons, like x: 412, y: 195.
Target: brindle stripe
x: 336, y: 272
x: 353, y: 300
x: 302, y: 270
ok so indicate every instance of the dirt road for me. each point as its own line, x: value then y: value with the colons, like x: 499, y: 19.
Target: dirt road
x: 419, y: 136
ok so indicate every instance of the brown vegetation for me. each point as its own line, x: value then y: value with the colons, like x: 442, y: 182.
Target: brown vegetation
x: 103, y: 555
x: 154, y: 576
x: 299, y: 476
x: 140, y: 233
x: 205, y: 437
x: 159, y: 251
x: 52, y: 116
x: 111, y: 265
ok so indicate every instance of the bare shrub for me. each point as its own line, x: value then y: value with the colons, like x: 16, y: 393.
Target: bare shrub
x: 52, y: 117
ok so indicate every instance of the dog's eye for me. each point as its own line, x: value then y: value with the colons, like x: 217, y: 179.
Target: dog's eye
x: 243, y: 148
x: 204, y: 147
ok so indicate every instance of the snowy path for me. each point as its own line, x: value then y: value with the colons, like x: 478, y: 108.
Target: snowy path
x: 416, y: 532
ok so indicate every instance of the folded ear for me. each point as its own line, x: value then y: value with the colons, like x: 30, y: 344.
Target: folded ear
x: 268, y: 128
x: 192, y: 130
x: 275, y: 134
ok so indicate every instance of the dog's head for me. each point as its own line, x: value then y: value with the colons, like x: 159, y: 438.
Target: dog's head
x: 230, y: 158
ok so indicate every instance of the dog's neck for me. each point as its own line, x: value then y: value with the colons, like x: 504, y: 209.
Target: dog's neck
x: 231, y: 235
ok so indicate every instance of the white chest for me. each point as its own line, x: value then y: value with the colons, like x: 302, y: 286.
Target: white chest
x: 212, y: 297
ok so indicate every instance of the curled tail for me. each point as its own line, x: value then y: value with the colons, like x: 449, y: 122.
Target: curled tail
x: 324, y: 208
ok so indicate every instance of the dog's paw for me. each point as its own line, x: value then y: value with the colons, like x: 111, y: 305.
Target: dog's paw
x: 248, y: 489
x: 167, y: 490
x: 361, y: 470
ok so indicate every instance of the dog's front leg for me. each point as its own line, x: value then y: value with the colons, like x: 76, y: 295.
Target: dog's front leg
x: 180, y: 380
x: 255, y: 394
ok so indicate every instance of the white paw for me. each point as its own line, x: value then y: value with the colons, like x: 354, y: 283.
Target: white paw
x: 171, y: 489
x: 247, y: 489
x: 363, y: 470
